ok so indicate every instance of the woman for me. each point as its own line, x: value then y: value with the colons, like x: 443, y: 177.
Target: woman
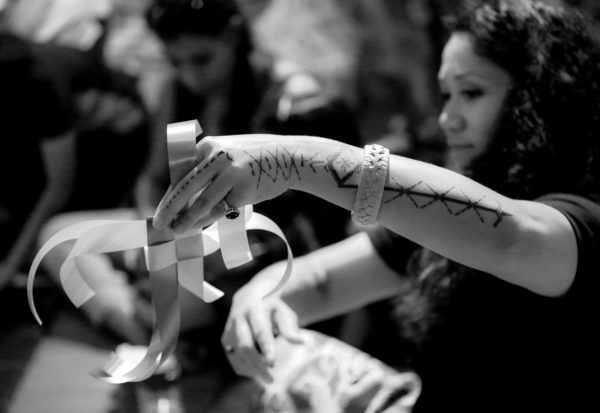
x: 496, y: 299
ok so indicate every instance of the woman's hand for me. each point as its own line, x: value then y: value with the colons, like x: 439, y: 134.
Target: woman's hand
x: 249, y: 335
x: 241, y: 169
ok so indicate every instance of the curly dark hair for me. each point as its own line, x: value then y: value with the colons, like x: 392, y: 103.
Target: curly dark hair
x: 549, y: 137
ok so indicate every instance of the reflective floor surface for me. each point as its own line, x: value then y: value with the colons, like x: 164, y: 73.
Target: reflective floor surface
x: 48, y: 369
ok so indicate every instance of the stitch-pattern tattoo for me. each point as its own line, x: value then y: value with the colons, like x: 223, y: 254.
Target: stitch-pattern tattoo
x: 271, y: 165
x: 283, y: 163
x: 455, y: 204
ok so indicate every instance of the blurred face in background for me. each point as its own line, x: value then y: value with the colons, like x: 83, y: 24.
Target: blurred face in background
x: 203, y: 63
x: 474, y: 90
x: 252, y: 9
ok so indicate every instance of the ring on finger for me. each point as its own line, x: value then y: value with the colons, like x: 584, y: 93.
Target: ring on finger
x: 230, y: 212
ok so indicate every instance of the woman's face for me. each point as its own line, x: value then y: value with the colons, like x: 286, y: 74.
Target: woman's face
x: 203, y: 63
x: 474, y: 90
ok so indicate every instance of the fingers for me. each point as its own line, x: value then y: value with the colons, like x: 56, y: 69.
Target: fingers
x: 262, y: 332
x: 286, y: 322
x: 176, y: 199
x: 215, y: 213
x: 210, y: 203
x: 249, y: 339
x: 243, y: 355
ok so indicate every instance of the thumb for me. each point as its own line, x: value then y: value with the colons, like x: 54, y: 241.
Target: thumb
x: 286, y: 322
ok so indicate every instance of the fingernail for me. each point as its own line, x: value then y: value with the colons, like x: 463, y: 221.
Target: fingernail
x: 158, y: 221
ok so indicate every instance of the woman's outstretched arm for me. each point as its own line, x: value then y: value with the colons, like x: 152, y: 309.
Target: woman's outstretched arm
x: 523, y: 242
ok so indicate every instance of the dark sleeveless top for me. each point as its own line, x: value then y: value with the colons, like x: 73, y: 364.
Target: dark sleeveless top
x: 483, y: 345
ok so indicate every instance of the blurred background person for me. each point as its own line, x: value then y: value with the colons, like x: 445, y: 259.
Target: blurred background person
x: 38, y: 130
x: 105, y: 118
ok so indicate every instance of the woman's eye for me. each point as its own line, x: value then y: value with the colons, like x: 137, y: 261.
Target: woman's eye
x: 472, y: 93
x: 444, y: 96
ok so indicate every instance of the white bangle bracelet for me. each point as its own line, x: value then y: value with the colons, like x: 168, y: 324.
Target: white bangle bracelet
x: 371, y: 184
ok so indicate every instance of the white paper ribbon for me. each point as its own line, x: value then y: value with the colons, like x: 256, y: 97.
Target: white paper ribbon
x: 171, y: 260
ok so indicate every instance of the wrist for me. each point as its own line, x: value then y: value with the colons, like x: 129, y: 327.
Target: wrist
x: 321, y: 162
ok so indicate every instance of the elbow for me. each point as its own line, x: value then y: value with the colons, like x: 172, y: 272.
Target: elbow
x: 539, y: 256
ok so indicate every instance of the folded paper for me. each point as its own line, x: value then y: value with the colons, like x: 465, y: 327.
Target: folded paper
x: 172, y: 260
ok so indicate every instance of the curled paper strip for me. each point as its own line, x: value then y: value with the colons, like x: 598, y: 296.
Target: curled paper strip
x: 172, y: 260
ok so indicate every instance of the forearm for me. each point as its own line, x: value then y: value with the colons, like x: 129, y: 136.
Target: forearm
x: 522, y: 242
x: 333, y: 280
x: 448, y: 213
x: 433, y: 206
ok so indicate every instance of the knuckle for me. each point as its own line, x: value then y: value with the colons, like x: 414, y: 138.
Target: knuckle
x: 238, y: 369
x: 245, y: 352
x: 262, y: 337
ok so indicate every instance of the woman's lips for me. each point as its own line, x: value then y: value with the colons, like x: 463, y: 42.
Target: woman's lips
x: 459, y: 145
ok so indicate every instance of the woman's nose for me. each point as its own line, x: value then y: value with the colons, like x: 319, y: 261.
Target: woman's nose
x: 451, y: 121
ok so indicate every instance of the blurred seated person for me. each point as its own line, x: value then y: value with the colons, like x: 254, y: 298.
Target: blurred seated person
x: 93, y: 116
x: 37, y: 131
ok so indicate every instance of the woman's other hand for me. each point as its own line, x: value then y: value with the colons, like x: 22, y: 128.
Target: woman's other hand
x: 249, y: 335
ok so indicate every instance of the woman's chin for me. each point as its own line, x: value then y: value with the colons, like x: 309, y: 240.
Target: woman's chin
x: 456, y: 161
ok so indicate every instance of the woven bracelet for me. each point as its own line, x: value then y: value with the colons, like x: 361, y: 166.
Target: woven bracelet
x: 371, y: 184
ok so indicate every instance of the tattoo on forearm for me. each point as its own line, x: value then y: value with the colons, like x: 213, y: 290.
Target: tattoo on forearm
x: 286, y: 164
x: 342, y: 169
x: 455, y: 200
x: 342, y: 166
x: 271, y: 165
